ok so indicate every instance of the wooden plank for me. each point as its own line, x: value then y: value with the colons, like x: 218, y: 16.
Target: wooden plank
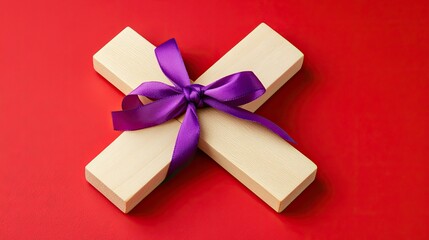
x: 133, y: 165
x: 266, y: 164
x: 137, y: 161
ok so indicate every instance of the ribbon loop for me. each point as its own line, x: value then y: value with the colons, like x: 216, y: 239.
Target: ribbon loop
x: 236, y: 89
x: 171, y: 62
x: 225, y: 94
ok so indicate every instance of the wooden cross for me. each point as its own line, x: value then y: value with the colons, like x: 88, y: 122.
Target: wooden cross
x: 137, y: 161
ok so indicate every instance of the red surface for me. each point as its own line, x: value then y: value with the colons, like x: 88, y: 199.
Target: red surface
x: 358, y: 109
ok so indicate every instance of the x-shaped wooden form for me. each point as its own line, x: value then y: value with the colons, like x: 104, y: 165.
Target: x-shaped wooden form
x: 137, y: 161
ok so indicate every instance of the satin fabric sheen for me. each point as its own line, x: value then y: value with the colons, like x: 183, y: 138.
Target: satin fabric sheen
x: 169, y: 102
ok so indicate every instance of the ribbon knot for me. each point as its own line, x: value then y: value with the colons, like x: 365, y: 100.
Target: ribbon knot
x: 169, y: 102
x: 194, y: 94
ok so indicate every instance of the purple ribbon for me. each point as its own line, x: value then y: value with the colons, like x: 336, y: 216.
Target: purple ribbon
x: 225, y: 94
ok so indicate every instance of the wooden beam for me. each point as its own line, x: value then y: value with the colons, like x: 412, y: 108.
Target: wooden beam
x: 136, y: 162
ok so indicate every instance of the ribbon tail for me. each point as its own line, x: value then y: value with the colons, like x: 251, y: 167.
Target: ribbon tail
x: 246, y: 115
x: 186, y: 141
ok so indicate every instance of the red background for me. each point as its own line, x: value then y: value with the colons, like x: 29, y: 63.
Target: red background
x: 358, y: 109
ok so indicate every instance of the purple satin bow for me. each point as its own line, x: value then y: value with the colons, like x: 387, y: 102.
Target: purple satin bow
x: 225, y: 94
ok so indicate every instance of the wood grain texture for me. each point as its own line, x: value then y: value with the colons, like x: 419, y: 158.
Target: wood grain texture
x: 133, y: 165
x: 275, y: 171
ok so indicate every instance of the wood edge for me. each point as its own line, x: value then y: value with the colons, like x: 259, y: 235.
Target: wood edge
x: 128, y: 202
x: 107, y: 192
x: 240, y: 175
x: 297, y: 191
x: 113, y: 79
x: 273, y: 88
x: 146, y: 189
x: 285, y: 77
x: 107, y: 74
x: 274, y: 202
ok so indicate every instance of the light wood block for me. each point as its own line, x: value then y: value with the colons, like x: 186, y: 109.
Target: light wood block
x: 136, y: 162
